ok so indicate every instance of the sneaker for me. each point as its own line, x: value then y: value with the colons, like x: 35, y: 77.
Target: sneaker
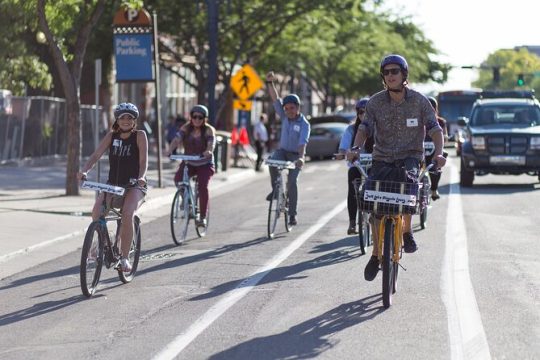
x: 292, y: 220
x: 200, y: 223
x: 435, y: 195
x: 125, y: 266
x: 409, y: 245
x: 372, y: 268
x: 269, y: 196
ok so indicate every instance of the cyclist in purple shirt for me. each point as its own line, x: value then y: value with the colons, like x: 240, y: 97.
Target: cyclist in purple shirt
x: 398, y: 118
x: 295, y: 131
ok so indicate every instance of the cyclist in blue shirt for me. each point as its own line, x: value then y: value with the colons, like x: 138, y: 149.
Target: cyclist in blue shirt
x: 294, y: 137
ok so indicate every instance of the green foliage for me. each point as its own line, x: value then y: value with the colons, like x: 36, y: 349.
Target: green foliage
x: 511, y: 63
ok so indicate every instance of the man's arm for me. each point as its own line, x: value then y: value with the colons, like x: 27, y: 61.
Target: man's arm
x: 271, y: 87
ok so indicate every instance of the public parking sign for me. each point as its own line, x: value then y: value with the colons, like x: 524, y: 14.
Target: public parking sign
x: 134, y: 56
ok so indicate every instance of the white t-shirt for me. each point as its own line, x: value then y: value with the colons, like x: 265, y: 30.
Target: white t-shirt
x: 260, y: 133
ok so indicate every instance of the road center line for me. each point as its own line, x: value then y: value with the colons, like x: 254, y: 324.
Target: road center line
x: 466, y: 332
x: 183, y: 340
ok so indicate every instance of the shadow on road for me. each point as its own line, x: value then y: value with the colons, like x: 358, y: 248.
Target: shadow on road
x: 287, y: 272
x: 308, y: 339
x: 38, y: 309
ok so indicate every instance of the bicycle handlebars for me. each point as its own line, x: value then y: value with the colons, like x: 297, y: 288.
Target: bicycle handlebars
x: 284, y: 164
x: 184, y: 157
x: 91, y: 185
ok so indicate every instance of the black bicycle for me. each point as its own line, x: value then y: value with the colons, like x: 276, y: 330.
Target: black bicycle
x: 99, y: 248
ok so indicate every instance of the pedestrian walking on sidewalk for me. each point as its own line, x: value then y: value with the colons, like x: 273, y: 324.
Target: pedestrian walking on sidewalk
x: 128, y: 164
x: 261, y: 137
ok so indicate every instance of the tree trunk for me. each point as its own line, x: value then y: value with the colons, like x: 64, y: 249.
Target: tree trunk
x: 74, y: 144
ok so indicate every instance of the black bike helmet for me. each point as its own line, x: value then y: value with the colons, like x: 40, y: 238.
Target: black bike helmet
x: 398, y: 60
x: 201, y: 109
x: 126, y: 108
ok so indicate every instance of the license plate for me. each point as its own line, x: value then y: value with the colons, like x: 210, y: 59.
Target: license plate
x: 507, y: 160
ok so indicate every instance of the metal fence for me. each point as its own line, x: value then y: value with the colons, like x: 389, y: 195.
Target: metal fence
x: 38, y: 128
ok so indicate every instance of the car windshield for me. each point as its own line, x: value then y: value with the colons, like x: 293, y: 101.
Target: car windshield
x: 506, y: 114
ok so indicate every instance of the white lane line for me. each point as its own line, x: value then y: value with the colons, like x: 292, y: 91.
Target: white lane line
x: 183, y: 340
x: 466, y: 332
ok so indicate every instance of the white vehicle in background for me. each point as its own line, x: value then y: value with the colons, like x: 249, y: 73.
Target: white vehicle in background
x: 5, y: 102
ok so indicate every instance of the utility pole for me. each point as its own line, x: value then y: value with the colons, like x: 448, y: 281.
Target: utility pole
x: 213, y: 18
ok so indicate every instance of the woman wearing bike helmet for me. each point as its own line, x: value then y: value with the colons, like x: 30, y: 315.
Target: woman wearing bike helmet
x: 198, y: 138
x: 346, y: 143
x: 128, y: 164
x: 398, y: 118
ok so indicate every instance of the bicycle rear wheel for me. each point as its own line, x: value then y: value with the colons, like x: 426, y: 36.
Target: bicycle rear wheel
x: 91, y: 259
x: 273, y: 214
x: 179, y: 217
x: 134, y: 252
x: 424, y: 201
x: 387, y: 264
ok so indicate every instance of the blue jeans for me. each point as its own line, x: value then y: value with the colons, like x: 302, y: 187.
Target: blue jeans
x: 292, y: 177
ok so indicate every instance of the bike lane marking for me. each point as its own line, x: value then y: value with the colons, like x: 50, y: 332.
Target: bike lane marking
x: 175, y: 347
x: 466, y: 332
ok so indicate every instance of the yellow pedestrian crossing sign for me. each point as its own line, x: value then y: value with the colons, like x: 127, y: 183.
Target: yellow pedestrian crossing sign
x: 245, y: 83
x: 244, y: 105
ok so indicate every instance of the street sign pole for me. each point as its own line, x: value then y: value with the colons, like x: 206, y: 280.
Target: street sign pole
x: 158, y: 96
x: 96, y: 121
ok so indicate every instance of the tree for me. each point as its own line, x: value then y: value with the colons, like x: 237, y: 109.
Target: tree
x: 340, y: 51
x: 67, y: 26
x: 21, y: 68
x: 510, y: 63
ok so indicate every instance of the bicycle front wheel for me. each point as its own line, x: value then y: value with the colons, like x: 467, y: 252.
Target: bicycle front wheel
x: 91, y: 259
x: 387, y: 264
x: 274, y: 209
x: 285, y: 211
x: 364, y: 231
x: 201, y: 230
x: 134, y: 252
x: 179, y: 217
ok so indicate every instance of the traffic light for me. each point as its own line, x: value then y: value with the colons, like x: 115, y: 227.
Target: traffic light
x: 520, y: 80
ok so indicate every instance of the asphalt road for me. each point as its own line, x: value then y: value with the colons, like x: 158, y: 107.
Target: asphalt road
x: 237, y: 295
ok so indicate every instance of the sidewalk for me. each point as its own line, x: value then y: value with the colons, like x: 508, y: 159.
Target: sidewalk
x: 39, y: 223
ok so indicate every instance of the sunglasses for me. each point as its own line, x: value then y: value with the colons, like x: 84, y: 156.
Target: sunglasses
x: 197, y: 117
x: 393, y: 71
x: 360, y: 111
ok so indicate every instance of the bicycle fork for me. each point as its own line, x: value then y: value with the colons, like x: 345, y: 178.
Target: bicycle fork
x: 397, y: 222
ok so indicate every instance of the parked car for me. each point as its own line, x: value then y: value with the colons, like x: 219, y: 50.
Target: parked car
x: 324, y: 139
x: 501, y: 137
x: 344, y: 118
